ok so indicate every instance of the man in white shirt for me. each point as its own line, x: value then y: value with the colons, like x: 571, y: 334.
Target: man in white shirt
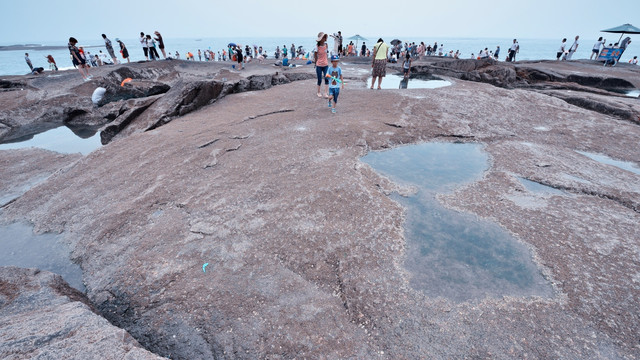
x: 515, y: 47
x: 596, y: 47
x: 573, y: 48
x: 145, y: 45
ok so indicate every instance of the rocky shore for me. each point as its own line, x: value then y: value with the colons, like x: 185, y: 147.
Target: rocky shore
x: 249, y: 172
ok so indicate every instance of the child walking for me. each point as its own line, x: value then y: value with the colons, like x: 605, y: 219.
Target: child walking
x: 334, y: 73
x: 406, y: 66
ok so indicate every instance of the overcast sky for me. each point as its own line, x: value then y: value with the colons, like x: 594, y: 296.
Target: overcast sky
x: 56, y: 20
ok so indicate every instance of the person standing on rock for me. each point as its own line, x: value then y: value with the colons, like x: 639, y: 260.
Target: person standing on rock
x: 515, y: 48
x: 153, y: 53
x: 497, y: 53
x: 293, y: 51
x: 596, y: 47
x: 321, y: 62
x: 145, y: 46
x: 160, y: 41
x: 562, y: 49
x: 379, y: 63
x: 107, y: 44
x: 78, y: 60
x: 573, y: 48
x: 26, y: 58
x: 123, y: 50
x: 239, y: 56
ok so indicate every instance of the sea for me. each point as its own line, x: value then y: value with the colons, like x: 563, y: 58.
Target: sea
x: 12, y: 61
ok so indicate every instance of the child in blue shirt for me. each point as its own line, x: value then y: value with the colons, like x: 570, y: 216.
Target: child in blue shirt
x: 334, y: 73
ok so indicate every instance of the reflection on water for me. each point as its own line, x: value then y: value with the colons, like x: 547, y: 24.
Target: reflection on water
x: 61, y: 139
x: 624, y: 165
x: 22, y: 248
x: 399, y: 82
x: 452, y: 254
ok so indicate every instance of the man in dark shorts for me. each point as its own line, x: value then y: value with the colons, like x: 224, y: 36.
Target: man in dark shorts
x: 239, y: 56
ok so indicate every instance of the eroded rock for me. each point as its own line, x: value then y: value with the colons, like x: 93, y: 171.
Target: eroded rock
x: 43, y: 317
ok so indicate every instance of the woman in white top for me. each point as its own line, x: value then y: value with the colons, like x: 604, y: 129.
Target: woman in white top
x: 562, y: 49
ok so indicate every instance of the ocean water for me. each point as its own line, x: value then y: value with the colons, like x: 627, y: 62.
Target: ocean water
x: 12, y: 61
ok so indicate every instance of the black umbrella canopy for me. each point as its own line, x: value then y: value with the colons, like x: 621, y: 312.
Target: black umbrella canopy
x: 396, y: 42
x: 623, y: 29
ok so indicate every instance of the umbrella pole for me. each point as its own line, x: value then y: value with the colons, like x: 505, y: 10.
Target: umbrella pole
x: 620, y: 38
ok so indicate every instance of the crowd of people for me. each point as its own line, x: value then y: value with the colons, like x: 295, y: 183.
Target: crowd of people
x: 397, y: 51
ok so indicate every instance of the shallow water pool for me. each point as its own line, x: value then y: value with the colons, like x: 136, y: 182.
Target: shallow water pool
x: 452, y: 254
x: 60, y: 139
x: 22, y: 248
x: 624, y: 165
x: 399, y: 82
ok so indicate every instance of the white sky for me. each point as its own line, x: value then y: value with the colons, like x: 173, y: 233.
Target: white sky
x: 56, y: 20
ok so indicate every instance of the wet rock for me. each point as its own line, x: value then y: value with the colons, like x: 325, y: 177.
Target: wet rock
x: 43, y: 317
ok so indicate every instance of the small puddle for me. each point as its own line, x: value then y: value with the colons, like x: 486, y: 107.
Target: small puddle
x: 537, y: 188
x: 624, y: 165
x: 22, y: 248
x: 399, y: 82
x: 452, y: 254
x: 60, y: 139
x: 633, y: 93
x: 630, y: 93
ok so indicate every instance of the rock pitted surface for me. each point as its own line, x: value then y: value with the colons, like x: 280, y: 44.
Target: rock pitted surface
x: 306, y: 248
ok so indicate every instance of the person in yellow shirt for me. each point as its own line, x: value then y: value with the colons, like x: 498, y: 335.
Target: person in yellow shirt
x: 379, y: 63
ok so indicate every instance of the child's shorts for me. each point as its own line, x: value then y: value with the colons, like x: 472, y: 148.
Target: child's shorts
x: 334, y: 92
x: 406, y: 71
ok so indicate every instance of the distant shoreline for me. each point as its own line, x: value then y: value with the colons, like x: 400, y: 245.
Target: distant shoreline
x: 37, y: 47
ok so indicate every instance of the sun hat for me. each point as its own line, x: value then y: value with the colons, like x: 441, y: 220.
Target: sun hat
x: 335, y: 57
x: 117, y: 39
x: 321, y: 35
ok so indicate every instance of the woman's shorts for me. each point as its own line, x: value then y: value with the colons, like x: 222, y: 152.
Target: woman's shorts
x: 380, y: 68
x: 75, y: 62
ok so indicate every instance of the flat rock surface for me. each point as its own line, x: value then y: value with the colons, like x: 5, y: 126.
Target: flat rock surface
x: 25, y: 168
x: 305, y: 247
x: 44, y: 318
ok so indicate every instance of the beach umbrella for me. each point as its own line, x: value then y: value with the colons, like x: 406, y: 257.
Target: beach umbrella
x: 396, y: 42
x: 231, y: 45
x: 623, y: 29
x: 357, y: 38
